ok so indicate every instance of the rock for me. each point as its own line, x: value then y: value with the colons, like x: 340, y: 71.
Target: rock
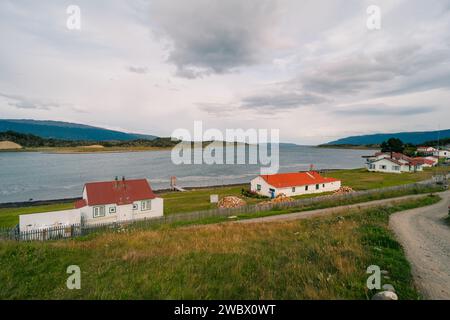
x: 388, y: 287
x: 232, y: 217
x: 385, y: 295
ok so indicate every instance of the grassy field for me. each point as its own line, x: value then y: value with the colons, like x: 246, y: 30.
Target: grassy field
x: 361, y: 179
x: 322, y: 258
x: 198, y: 199
x: 358, y: 179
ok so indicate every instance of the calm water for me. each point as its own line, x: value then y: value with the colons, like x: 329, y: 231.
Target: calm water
x: 41, y: 176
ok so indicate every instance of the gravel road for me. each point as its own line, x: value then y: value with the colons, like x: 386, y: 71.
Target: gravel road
x: 426, y: 240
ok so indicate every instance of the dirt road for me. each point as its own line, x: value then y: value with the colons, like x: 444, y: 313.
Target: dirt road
x: 426, y: 240
x: 329, y: 211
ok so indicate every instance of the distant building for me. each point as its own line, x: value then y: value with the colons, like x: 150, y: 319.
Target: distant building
x: 102, y: 202
x: 293, y: 184
x: 394, y: 163
x: 442, y: 154
x: 428, y: 151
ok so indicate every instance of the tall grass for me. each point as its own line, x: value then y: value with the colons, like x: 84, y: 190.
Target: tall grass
x: 322, y: 258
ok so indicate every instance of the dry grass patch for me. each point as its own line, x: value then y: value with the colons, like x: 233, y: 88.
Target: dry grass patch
x: 321, y: 258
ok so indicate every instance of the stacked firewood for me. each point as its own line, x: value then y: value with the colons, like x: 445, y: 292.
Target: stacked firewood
x: 231, y: 202
x: 344, y: 190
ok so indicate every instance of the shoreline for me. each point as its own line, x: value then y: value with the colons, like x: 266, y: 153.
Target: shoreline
x: 85, y: 150
x: 20, y: 204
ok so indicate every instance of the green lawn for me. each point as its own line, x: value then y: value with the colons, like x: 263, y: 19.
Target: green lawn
x: 321, y: 258
x: 9, y: 217
x: 198, y: 199
x: 361, y: 179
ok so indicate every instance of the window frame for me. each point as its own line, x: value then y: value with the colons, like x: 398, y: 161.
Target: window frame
x: 112, y: 210
x: 146, y: 205
x: 100, y: 209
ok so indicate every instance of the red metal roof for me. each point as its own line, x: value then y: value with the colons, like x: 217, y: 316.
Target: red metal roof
x: 295, y: 179
x: 118, y: 192
x: 80, y: 204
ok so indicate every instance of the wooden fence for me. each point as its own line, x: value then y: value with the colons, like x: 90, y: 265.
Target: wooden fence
x: 71, y: 231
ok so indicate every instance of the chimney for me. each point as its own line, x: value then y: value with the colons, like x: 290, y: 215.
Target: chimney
x: 123, y: 182
x: 116, y: 183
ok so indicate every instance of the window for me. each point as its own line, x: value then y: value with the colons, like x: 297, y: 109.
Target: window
x: 306, y: 188
x: 323, y: 186
x: 383, y: 167
x: 112, y: 209
x: 293, y: 189
x: 146, y: 205
x: 396, y: 168
x: 99, y: 211
x: 135, y: 206
x: 258, y: 187
x: 317, y: 187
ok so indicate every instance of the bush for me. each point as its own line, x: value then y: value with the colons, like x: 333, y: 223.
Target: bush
x: 252, y: 194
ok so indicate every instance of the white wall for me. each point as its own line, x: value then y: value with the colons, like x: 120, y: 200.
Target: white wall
x: 390, y: 167
x: 299, y: 190
x: 124, y: 212
x: 28, y: 222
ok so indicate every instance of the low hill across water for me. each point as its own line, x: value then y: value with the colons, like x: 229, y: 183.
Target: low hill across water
x: 67, y: 131
x: 33, y: 141
x: 415, y: 138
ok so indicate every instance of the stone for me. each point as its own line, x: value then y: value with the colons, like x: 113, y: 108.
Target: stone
x: 388, y: 287
x: 385, y: 295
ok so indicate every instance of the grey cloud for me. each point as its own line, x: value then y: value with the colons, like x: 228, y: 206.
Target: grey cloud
x: 281, y: 100
x: 383, y: 110
x: 395, y: 70
x: 218, y: 109
x: 138, y: 69
x: 214, y: 36
x: 22, y: 102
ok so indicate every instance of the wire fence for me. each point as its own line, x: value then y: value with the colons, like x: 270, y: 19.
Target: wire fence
x: 76, y: 230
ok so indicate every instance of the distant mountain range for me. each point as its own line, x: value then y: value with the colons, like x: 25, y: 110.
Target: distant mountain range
x: 407, y: 137
x: 68, y: 131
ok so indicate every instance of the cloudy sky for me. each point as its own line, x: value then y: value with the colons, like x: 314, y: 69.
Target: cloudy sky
x: 310, y: 68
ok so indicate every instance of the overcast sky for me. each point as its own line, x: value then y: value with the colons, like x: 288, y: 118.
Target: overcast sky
x: 310, y: 68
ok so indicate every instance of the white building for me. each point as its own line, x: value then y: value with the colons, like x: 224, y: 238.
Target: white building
x: 102, y: 202
x: 429, y: 151
x: 394, y: 163
x: 293, y: 184
x: 442, y: 154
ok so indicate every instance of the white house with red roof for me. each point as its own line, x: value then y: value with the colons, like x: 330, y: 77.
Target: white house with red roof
x: 119, y: 200
x: 428, y: 151
x: 102, y: 202
x: 293, y: 184
x: 394, y: 163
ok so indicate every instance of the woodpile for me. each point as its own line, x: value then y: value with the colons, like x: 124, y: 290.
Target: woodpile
x: 344, y: 190
x: 281, y: 198
x: 231, y: 202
